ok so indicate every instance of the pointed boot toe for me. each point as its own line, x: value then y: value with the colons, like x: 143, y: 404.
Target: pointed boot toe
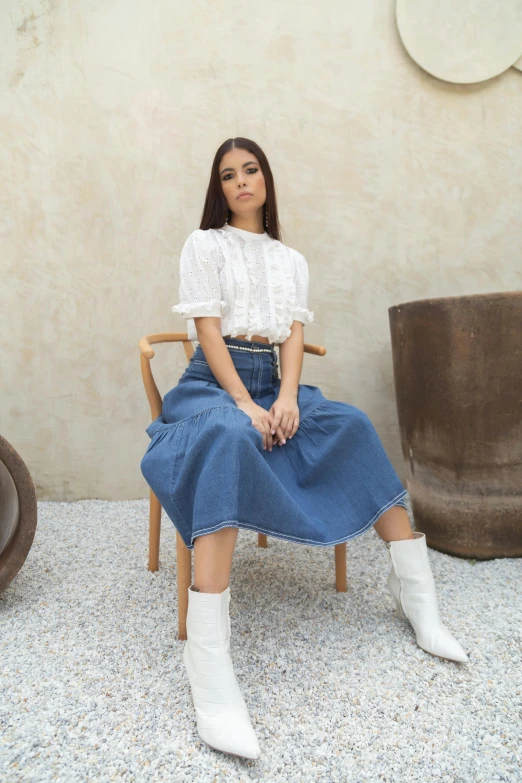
x: 441, y: 642
x: 234, y: 735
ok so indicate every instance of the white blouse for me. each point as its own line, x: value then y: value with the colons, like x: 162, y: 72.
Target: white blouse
x: 254, y: 283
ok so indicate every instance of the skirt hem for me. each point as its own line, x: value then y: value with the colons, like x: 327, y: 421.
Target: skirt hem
x: 398, y: 500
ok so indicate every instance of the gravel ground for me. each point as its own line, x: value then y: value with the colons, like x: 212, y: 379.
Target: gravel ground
x: 93, y: 686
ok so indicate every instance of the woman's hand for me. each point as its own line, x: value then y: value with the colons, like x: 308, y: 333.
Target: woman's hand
x: 261, y: 420
x: 285, y: 413
x: 277, y: 424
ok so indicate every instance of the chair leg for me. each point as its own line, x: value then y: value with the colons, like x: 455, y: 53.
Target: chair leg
x: 340, y: 567
x: 184, y: 561
x: 262, y: 539
x: 154, y: 532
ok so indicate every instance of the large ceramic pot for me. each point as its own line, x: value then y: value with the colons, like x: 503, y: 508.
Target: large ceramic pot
x: 18, y: 513
x: 457, y: 365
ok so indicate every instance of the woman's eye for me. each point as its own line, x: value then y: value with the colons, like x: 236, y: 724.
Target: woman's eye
x: 253, y: 171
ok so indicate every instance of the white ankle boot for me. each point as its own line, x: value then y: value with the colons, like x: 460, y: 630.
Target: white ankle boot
x: 412, y: 587
x: 222, y: 716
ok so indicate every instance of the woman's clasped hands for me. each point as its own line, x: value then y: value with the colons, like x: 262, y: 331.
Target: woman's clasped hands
x: 278, y: 423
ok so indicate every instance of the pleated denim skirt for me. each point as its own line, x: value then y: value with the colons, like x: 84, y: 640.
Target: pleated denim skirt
x: 206, y: 464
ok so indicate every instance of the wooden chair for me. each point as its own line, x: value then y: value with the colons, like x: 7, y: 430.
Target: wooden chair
x: 184, y: 555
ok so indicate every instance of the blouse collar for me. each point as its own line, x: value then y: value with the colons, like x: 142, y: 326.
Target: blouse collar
x: 246, y: 234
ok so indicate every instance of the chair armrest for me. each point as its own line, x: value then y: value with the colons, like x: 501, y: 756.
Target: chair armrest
x: 318, y: 350
x: 170, y: 337
x: 145, y: 348
x: 163, y: 337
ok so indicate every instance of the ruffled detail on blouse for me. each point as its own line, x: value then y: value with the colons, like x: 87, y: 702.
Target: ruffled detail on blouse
x: 283, y: 292
x: 253, y: 324
x: 214, y: 307
x: 302, y: 314
x: 239, y: 319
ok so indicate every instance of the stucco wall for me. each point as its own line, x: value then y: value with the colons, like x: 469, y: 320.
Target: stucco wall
x: 395, y: 186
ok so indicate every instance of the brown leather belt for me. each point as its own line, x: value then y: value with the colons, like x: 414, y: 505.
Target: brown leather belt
x: 254, y: 339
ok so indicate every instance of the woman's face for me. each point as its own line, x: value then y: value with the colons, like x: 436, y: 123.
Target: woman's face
x: 240, y: 172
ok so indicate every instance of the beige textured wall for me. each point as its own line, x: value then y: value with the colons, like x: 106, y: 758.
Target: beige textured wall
x: 395, y: 186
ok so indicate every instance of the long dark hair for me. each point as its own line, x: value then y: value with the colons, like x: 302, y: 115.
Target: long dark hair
x: 216, y: 211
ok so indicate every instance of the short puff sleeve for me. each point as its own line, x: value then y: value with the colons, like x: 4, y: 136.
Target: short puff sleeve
x: 199, y: 285
x: 301, y: 278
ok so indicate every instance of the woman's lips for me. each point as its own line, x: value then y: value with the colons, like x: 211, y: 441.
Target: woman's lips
x: 245, y: 195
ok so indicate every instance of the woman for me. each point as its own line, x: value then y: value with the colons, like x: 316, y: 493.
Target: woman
x: 212, y: 462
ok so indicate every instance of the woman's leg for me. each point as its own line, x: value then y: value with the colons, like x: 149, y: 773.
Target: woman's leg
x: 394, y: 525
x: 213, y: 560
x: 222, y: 715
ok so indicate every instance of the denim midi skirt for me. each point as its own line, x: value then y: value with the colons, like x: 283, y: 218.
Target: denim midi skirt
x: 206, y: 464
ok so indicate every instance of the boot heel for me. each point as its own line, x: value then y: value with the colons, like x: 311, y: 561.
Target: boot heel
x: 400, y: 610
x: 394, y: 586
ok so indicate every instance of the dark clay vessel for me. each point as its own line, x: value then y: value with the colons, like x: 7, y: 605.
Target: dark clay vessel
x: 18, y: 513
x: 457, y: 365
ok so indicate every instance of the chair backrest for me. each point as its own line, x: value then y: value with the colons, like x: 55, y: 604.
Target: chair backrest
x: 147, y: 353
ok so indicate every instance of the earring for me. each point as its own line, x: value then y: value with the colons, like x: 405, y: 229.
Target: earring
x: 266, y: 218
x: 226, y: 219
